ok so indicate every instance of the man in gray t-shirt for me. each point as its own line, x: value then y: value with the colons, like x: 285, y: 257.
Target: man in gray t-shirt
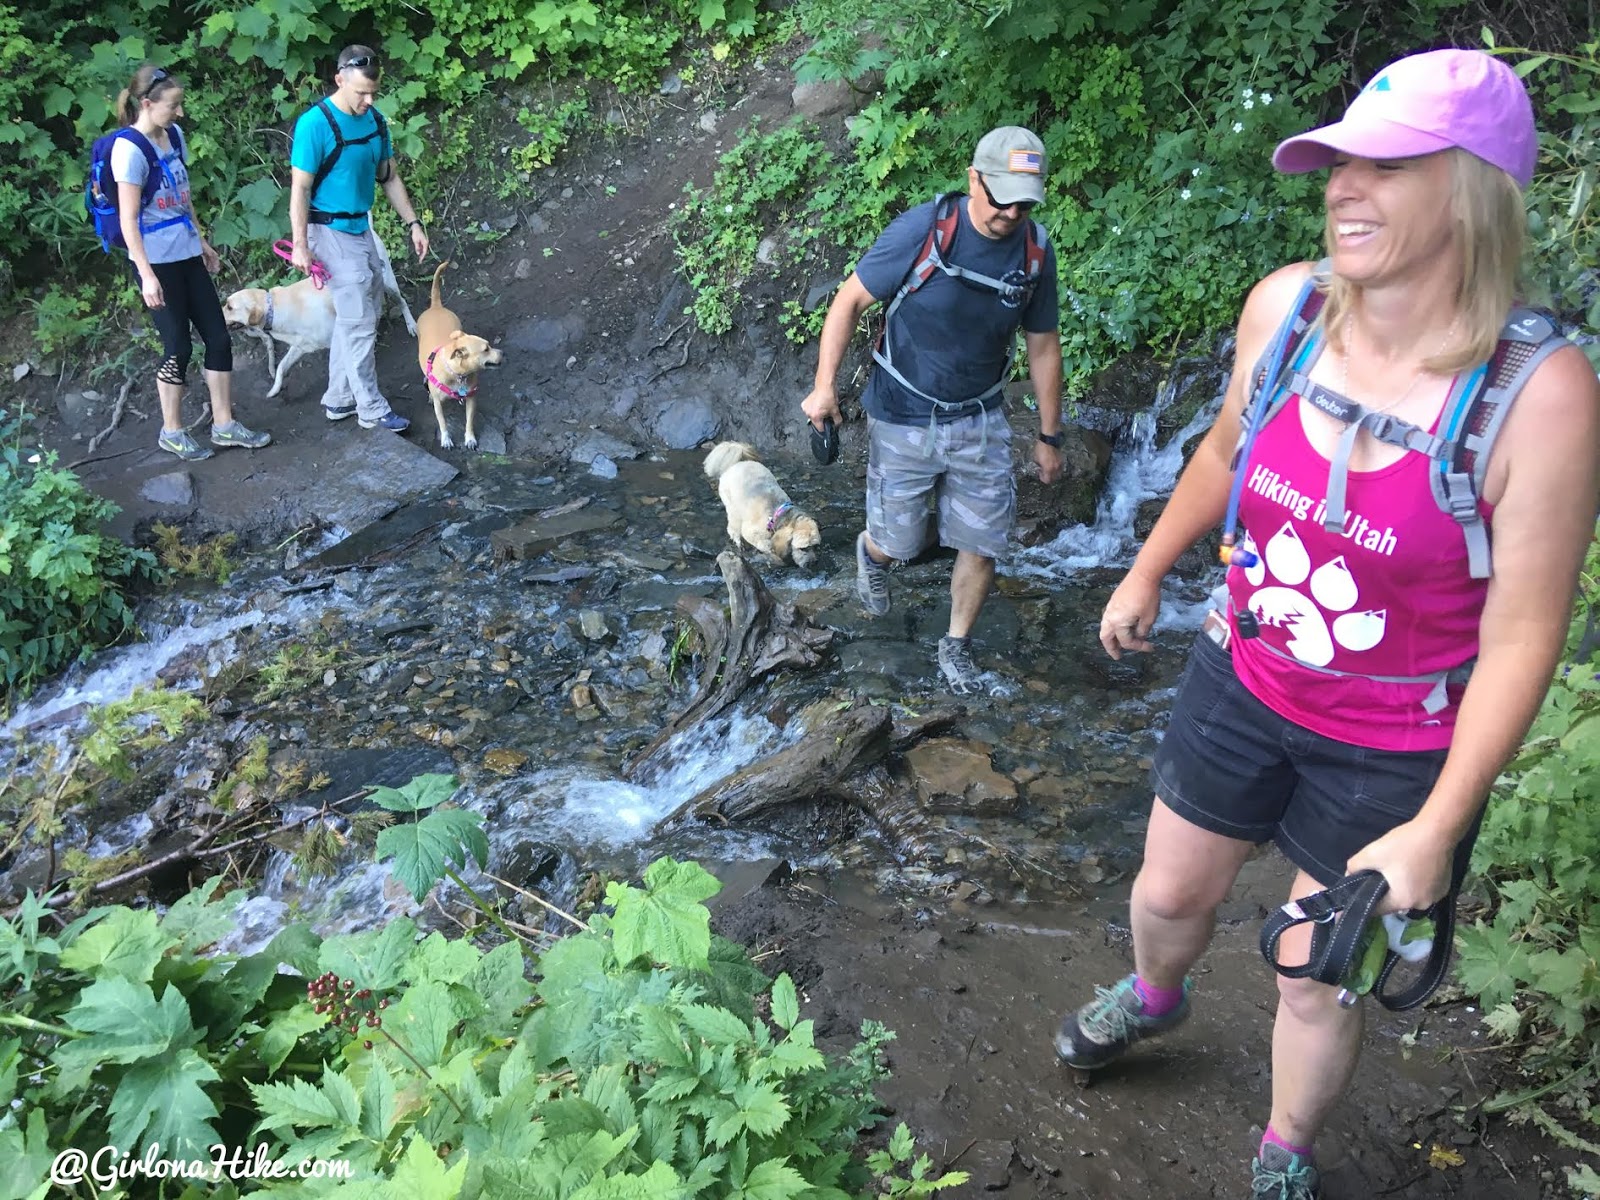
x: 934, y: 417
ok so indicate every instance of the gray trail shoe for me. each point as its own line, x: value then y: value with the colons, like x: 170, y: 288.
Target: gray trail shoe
x: 956, y: 665
x: 1114, y: 1020
x: 185, y: 447
x: 235, y: 433
x: 1281, y: 1175
x: 872, y: 579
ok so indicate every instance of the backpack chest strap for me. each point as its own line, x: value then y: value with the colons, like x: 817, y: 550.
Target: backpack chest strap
x: 1354, y: 417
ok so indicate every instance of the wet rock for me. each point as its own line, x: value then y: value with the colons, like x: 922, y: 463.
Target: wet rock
x: 1146, y: 516
x: 20, y: 371
x: 767, y: 252
x: 531, y: 538
x: 686, y: 422
x: 491, y: 440
x: 175, y: 489
x: 671, y: 84
x: 708, y: 124
x: 523, y: 269
x: 595, y: 445
x: 823, y: 98
x: 956, y: 776
x: 504, y: 761
x: 530, y: 864
x: 1043, y: 510
x: 819, y: 294
x: 989, y: 1162
x: 594, y: 625
x: 653, y: 647
x: 77, y: 409
x: 602, y: 467
x: 368, y: 478
x: 544, y: 336
x: 740, y: 879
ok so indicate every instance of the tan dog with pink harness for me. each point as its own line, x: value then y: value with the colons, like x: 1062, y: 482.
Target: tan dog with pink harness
x: 450, y: 361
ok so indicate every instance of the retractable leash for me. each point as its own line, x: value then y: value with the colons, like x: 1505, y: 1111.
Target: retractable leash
x: 284, y: 249
x: 1344, y: 919
x: 1228, y: 554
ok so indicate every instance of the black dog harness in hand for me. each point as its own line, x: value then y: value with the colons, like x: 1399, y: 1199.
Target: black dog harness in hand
x: 1341, y: 914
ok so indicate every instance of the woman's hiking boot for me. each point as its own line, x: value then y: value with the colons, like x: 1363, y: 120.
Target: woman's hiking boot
x: 1115, y: 1019
x: 1280, y: 1174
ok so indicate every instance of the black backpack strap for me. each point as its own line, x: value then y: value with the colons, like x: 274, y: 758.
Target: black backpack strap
x: 327, y: 164
x: 386, y: 163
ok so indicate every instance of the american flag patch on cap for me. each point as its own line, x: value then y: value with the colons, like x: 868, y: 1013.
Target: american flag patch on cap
x: 1025, y: 162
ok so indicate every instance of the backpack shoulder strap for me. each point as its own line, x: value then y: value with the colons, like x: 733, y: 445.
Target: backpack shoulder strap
x: 1289, y: 355
x: 327, y: 164
x: 1474, y: 414
x: 179, y: 143
x: 152, y: 160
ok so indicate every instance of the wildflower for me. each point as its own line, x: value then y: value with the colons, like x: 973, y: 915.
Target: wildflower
x: 1247, y: 94
x: 1183, y: 195
x: 1266, y: 97
x: 727, y: 208
x: 1195, y: 173
x: 1249, y: 104
x: 1238, y: 126
x: 1116, y: 229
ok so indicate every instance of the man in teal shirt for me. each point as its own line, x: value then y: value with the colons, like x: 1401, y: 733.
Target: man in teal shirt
x: 341, y: 151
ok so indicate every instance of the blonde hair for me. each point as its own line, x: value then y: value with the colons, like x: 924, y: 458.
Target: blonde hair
x: 1490, y: 224
x: 148, y: 82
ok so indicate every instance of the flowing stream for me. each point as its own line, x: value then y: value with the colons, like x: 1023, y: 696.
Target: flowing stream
x: 389, y: 656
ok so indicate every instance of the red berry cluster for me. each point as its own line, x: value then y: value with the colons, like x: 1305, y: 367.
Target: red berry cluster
x: 349, y: 1006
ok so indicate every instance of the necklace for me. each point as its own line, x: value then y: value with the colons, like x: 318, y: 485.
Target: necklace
x: 1344, y: 366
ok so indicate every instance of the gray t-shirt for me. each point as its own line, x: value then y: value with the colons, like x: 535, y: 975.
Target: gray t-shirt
x: 170, y: 243
x: 951, y: 338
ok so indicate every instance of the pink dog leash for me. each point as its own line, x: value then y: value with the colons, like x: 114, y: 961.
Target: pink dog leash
x: 284, y: 249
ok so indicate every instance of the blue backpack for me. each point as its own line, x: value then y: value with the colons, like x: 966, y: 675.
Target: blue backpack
x: 100, y: 191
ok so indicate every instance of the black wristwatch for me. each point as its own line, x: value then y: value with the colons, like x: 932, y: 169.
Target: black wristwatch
x: 1053, y: 439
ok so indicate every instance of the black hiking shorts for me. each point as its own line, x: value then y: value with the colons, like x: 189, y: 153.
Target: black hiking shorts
x: 1231, y: 765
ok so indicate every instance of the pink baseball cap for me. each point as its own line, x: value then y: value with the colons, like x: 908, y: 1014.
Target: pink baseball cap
x: 1425, y: 103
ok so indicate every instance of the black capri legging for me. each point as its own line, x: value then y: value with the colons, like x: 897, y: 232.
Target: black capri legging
x: 191, y: 298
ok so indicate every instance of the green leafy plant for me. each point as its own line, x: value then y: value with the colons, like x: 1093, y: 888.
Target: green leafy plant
x: 206, y: 559
x: 1534, y: 965
x: 633, y: 1064
x: 63, y: 582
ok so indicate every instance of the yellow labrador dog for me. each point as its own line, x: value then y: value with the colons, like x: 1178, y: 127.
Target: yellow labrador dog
x: 300, y: 316
x: 760, y: 513
x: 450, y: 361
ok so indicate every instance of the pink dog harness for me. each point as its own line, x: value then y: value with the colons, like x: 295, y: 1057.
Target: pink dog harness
x: 777, y: 516
x: 458, y: 393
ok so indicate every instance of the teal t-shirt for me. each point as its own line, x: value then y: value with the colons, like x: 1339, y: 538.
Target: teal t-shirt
x: 352, y: 184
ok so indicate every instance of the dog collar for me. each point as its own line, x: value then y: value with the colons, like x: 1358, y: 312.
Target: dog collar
x: 266, y: 324
x: 458, y: 393
x: 778, y: 514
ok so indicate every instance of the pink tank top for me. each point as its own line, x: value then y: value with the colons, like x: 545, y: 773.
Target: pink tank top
x: 1390, y: 594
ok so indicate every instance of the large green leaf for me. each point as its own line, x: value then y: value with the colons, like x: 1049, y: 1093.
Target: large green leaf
x: 125, y: 1024
x: 422, y: 1176
x: 375, y: 959
x: 128, y: 943
x: 423, y: 849
x: 421, y: 794
x: 667, y: 922
x: 161, y: 1101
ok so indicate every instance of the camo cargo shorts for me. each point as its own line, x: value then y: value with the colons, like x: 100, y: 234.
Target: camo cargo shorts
x: 967, y: 471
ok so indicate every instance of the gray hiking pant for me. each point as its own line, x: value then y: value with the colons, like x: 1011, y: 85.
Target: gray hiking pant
x: 356, y: 280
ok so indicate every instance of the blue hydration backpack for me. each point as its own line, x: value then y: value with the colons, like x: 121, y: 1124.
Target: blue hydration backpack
x: 100, y: 192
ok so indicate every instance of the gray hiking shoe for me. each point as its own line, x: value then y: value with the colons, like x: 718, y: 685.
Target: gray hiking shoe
x: 956, y: 665
x: 235, y: 433
x: 1281, y: 1175
x: 184, y: 446
x: 1114, y: 1020
x: 872, y: 579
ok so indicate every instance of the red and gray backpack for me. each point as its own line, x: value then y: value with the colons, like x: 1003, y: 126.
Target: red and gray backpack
x: 936, y: 246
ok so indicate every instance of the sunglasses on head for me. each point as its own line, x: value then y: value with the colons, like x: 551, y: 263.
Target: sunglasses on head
x: 157, y: 76
x: 364, y: 60
x: 1026, y: 206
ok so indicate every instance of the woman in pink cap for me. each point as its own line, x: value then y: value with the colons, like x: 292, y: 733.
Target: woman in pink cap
x: 1373, y: 667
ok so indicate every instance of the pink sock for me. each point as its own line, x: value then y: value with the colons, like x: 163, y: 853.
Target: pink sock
x: 1276, y: 1139
x: 1158, y: 1001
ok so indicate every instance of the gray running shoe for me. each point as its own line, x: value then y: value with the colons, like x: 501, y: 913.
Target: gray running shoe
x: 957, y: 667
x: 872, y: 579
x: 184, y: 446
x: 235, y: 433
x: 1114, y: 1020
x: 1281, y: 1175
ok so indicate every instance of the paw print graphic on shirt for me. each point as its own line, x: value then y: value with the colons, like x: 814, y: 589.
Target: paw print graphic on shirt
x: 1320, y: 622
